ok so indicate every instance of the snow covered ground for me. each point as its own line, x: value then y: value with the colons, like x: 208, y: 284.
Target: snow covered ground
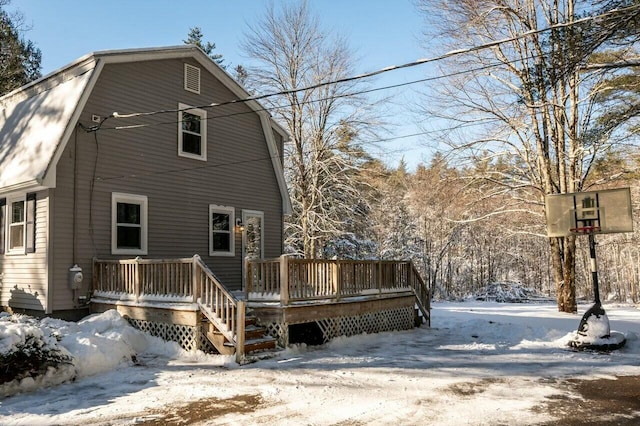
x: 481, y: 363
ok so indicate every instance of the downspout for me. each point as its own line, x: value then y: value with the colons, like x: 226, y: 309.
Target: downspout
x: 74, y: 214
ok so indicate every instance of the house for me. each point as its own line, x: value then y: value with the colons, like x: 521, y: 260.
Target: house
x: 79, y: 180
x: 145, y: 180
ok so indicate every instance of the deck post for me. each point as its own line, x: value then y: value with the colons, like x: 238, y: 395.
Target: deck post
x: 379, y: 277
x: 94, y: 277
x: 194, y: 278
x: 240, y: 331
x: 248, y: 283
x: 284, y: 280
x: 337, y: 286
x: 137, y: 277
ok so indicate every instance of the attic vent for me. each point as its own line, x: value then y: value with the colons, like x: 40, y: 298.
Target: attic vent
x: 191, y: 78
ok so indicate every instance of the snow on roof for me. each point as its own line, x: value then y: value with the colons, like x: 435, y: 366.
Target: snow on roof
x: 35, y: 117
x: 32, y: 124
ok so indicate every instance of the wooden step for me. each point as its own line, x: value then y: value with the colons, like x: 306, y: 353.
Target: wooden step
x: 254, y: 345
x: 263, y: 344
x: 254, y: 332
x: 256, y: 338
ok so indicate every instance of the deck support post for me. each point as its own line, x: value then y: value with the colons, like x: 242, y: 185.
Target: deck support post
x: 379, y: 277
x: 247, y: 284
x: 194, y: 278
x: 137, y: 277
x: 337, y: 287
x: 284, y: 280
x: 240, y: 330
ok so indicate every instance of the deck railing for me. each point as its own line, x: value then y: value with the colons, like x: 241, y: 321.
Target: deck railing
x: 145, y: 277
x: 218, y: 304
x: 283, y: 279
x: 187, y: 279
x: 292, y: 280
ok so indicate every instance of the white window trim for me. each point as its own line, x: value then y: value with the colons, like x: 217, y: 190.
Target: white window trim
x: 119, y: 197
x: 9, y: 225
x: 232, y: 222
x: 203, y: 131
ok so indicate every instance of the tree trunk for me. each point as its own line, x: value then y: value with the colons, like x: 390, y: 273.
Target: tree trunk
x: 558, y: 271
x: 569, y: 291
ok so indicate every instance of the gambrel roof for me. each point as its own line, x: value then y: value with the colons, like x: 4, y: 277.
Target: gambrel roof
x: 37, y: 120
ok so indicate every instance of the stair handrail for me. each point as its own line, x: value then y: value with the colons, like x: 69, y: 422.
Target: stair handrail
x: 219, y: 305
x: 421, y: 292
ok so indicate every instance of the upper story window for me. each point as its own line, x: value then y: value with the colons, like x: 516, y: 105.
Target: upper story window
x: 192, y: 132
x: 221, y: 239
x: 128, y: 224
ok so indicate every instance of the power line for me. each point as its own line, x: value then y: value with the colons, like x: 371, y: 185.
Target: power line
x: 446, y: 55
x: 270, y: 158
x: 361, y: 76
x: 360, y: 92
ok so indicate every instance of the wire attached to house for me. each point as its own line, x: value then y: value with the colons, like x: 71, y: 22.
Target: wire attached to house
x: 422, y: 61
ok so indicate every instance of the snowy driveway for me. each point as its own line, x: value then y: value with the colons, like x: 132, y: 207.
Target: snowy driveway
x: 481, y: 363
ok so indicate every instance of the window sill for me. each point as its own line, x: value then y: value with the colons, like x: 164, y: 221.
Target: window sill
x: 192, y: 156
x: 221, y: 254
x: 129, y: 252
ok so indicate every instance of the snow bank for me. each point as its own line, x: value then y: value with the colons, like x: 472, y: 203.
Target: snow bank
x: 68, y: 350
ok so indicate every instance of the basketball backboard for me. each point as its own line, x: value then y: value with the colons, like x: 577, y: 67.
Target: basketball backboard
x: 598, y: 212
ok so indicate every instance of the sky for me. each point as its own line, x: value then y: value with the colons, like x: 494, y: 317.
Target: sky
x: 381, y: 33
x: 481, y: 363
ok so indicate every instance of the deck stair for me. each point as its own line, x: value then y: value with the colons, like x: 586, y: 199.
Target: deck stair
x: 255, y: 339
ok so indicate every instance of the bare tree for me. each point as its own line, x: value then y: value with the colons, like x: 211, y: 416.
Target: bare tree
x: 526, y: 100
x: 294, y: 57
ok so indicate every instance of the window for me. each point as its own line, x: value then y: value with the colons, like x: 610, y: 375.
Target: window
x: 221, y: 238
x: 18, y: 225
x: 17, y: 222
x: 192, y: 132
x: 128, y: 224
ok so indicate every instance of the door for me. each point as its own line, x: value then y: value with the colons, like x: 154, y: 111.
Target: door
x: 252, y: 239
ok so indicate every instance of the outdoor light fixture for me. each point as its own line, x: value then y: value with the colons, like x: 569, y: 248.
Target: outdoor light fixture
x: 239, y: 225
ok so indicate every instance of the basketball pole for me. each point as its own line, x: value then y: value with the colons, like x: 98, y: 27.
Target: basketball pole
x: 594, y: 267
x: 596, y: 311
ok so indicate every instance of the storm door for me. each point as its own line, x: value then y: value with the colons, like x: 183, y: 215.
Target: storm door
x: 252, y: 237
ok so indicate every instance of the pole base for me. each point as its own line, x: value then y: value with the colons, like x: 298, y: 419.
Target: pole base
x: 594, y: 323
x: 614, y: 341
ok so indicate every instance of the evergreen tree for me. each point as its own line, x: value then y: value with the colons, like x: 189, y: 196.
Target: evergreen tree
x: 241, y: 74
x: 195, y: 37
x: 19, y: 58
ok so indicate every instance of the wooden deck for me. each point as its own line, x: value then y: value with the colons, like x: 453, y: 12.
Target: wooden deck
x: 278, y: 291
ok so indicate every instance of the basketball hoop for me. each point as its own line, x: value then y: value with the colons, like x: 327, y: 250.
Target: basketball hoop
x: 591, y: 213
x: 584, y: 230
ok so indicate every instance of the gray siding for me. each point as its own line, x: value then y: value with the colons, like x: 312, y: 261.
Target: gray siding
x: 24, y: 276
x: 144, y: 161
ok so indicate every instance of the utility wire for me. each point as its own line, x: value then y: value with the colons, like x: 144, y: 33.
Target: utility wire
x: 446, y: 55
x: 360, y: 76
x: 271, y: 157
x: 311, y: 101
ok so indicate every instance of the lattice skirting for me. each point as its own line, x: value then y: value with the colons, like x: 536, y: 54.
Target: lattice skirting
x: 279, y: 331
x: 188, y: 337
x: 372, y: 322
